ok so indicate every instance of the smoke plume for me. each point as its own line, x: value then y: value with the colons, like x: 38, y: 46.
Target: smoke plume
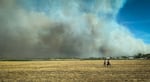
x: 64, y: 28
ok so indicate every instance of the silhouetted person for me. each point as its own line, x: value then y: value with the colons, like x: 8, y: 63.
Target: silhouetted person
x: 105, y: 62
x: 108, y: 63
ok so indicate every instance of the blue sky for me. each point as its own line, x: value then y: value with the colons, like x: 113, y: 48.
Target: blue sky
x: 136, y: 16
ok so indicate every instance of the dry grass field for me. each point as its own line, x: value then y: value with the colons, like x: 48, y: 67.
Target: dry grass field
x: 75, y: 71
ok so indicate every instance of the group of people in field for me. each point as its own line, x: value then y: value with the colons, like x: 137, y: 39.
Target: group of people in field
x: 107, y: 62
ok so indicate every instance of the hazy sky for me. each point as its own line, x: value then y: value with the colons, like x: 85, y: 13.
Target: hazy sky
x: 135, y: 14
x: 73, y: 28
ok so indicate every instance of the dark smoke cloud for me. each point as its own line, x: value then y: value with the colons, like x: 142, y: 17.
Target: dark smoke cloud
x: 64, y: 28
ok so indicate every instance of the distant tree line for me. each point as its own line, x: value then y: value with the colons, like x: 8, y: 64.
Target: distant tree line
x: 140, y: 55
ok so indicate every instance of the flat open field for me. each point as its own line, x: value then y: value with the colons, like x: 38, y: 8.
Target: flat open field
x: 75, y: 71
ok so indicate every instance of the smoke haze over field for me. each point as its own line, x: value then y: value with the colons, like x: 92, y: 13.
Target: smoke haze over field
x: 64, y: 28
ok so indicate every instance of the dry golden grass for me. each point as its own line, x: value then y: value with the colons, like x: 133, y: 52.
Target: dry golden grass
x: 75, y: 71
